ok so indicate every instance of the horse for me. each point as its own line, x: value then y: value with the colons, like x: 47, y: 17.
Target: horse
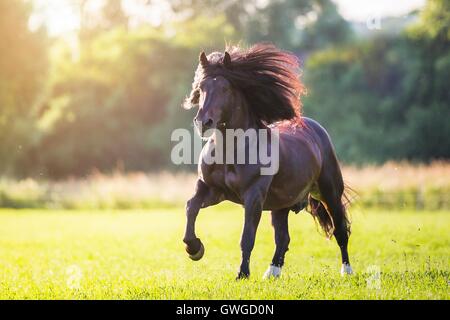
x: 259, y: 88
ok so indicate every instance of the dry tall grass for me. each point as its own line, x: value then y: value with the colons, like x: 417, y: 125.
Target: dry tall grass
x: 398, y: 175
x: 401, y: 185
x: 392, y: 185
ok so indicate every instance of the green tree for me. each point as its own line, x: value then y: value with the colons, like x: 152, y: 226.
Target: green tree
x: 23, y: 66
x: 298, y: 25
x: 117, y: 103
x: 429, y: 114
x: 387, y: 97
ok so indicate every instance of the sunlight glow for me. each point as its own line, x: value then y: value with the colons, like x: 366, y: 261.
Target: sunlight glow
x: 358, y: 10
x: 62, y: 17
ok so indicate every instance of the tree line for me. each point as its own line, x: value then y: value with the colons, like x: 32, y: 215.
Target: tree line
x: 111, y: 100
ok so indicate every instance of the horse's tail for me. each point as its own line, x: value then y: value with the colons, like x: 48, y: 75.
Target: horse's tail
x: 322, y: 215
x: 347, y: 198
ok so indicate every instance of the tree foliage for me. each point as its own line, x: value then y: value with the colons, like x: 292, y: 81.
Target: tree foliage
x: 114, y: 98
x: 23, y: 65
x: 387, y: 98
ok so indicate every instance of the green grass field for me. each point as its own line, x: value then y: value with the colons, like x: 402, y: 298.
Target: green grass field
x: 140, y: 255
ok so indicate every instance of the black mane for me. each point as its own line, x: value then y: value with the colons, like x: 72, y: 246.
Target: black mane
x: 267, y: 76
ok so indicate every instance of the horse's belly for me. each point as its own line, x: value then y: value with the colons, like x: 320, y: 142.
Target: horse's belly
x: 282, y: 198
x: 300, y: 163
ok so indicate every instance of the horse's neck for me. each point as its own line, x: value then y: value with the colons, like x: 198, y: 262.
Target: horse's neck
x: 242, y: 117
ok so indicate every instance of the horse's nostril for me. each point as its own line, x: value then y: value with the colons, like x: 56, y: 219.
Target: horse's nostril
x: 208, y: 123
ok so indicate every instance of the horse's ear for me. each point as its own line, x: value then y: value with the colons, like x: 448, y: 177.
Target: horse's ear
x: 227, y: 60
x: 203, y: 60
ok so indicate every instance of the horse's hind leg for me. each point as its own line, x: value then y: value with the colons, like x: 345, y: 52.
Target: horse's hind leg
x: 341, y: 233
x: 331, y: 188
x: 280, y: 225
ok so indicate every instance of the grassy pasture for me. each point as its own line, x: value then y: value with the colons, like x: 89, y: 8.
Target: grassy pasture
x: 138, y: 254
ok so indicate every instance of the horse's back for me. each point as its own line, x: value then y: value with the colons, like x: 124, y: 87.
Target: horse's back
x: 304, y: 152
x: 330, y: 168
x: 318, y: 139
x: 321, y: 135
x: 308, y: 142
x: 300, y: 161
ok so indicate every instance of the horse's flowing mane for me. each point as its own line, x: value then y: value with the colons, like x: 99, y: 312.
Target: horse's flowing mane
x: 267, y: 76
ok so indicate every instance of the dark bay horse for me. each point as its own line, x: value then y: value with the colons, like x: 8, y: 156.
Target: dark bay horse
x: 259, y: 88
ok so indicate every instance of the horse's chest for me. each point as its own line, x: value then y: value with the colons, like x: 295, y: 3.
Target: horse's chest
x: 223, y: 177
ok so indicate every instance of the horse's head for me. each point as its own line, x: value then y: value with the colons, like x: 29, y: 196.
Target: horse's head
x: 246, y: 87
x: 213, y: 94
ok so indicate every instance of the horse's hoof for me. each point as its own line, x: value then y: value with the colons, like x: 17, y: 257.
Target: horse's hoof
x: 194, y: 248
x: 346, y: 269
x: 197, y: 256
x: 242, y: 275
x: 272, y: 272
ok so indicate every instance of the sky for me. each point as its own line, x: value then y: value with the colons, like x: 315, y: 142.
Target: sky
x: 61, y: 16
x: 361, y: 10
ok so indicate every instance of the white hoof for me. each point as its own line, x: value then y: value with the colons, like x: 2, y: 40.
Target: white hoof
x: 272, y: 272
x: 346, y: 269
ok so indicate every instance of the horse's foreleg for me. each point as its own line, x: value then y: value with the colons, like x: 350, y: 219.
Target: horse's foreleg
x: 202, y: 198
x: 253, y: 209
x: 282, y: 239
